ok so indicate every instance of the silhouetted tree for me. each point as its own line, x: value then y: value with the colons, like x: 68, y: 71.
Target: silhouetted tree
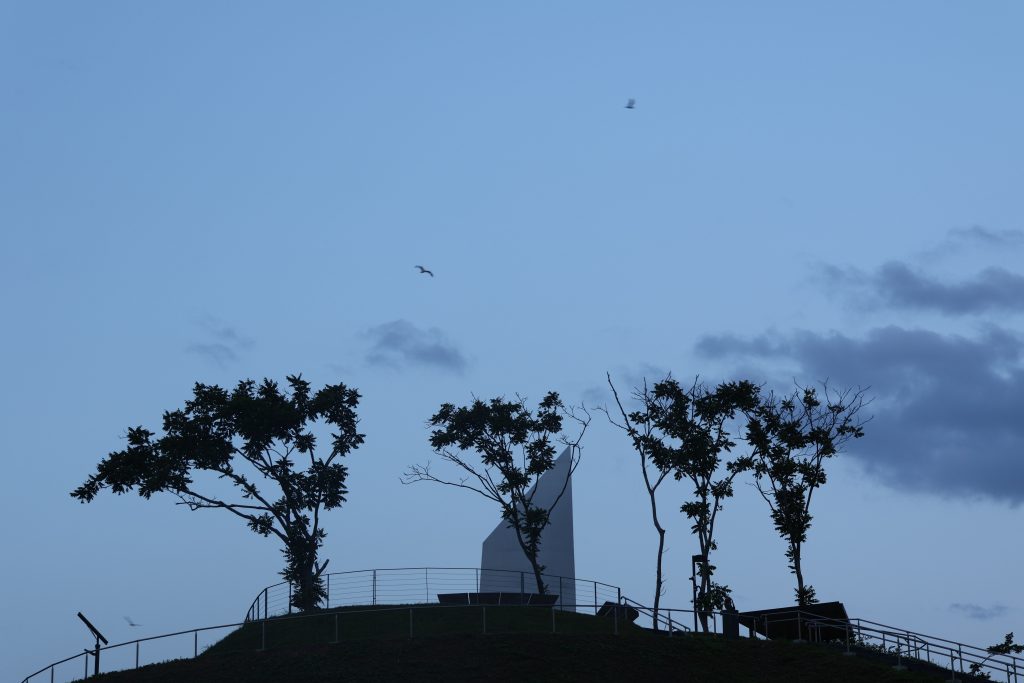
x: 639, y: 427
x: 685, y: 430
x: 228, y: 435
x: 515, y: 449
x: 1007, y: 647
x: 791, y: 437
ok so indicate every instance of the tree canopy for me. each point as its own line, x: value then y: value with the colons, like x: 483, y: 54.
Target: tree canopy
x: 686, y: 431
x: 255, y: 429
x: 791, y: 437
x: 515, y: 448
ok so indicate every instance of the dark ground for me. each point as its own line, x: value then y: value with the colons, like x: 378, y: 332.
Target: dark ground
x: 530, y: 657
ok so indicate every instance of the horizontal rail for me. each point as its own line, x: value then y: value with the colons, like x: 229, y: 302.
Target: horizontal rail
x: 410, y: 609
x: 401, y: 585
x: 860, y: 633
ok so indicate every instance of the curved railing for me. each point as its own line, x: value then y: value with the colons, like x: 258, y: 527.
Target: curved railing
x: 856, y: 636
x: 422, y: 585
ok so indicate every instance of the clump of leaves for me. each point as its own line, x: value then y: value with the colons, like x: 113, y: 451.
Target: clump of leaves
x: 256, y: 429
x: 1007, y: 647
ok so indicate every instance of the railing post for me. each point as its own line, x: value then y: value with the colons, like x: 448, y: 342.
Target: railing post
x: 86, y: 665
x: 616, y: 611
x: 51, y: 674
x: 328, y: 591
x: 289, y: 597
x: 478, y: 580
x: 560, y: 591
x: 485, y: 618
x: 426, y: 582
x: 374, y: 586
x: 263, y: 636
x: 595, y: 597
x: 136, y: 654
x: 195, y: 643
x: 265, y: 604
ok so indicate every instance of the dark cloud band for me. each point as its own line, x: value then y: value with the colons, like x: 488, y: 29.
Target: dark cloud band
x: 896, y: 285
x: 947, y: 409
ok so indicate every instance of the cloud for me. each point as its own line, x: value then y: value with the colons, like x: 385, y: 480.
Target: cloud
x: 956, y: 240
x: 896, y: 285
x: 399, y: 342
x: 978, y: 234
x: 223, y: 342
x: 947, y: 408
x: 221, y: 354
x: 978, y: 612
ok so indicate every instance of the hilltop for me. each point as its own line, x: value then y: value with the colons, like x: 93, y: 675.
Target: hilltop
x: 634, y: 654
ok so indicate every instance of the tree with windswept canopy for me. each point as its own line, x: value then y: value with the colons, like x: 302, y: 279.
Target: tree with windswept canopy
x: 1007, y: 647
x: 639, y: 427
x: 687, y: 431
x: 791, y: 438
x: 254, y: 429
x: 515, y: 448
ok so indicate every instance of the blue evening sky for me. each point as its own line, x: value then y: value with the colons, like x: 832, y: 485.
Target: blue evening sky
x: 210, y: 191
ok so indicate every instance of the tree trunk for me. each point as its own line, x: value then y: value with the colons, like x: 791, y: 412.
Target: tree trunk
x: 301, y: 574
x: 705, y: 586
x: 801, y: 597
x: 531, y: 553
x: 541, y: 588
x: 657, y: 579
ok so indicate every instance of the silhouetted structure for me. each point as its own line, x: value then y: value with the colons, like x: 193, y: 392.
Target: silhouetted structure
x: 501, y: 549
x: 800, y: 623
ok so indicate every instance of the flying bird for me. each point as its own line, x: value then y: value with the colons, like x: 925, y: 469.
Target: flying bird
x: 130, y: 622
x: 631, y: 104
x: 424, y: 270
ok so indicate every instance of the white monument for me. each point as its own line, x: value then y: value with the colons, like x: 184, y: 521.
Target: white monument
x: 501, y: 549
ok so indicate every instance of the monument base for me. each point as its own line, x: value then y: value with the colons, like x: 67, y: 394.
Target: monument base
x: 518, y: 598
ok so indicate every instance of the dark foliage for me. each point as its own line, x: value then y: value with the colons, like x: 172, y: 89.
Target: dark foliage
x: 515, y: 447
x: 230, y: 434
x: 685, y: 431
x: 791, y: 438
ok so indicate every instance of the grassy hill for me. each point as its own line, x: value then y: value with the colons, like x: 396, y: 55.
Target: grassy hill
x: 519, y: 645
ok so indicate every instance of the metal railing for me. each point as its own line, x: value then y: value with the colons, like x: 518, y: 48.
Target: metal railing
x: 856, y: 636
x: 406, y: 585
x: 337, y: 625
x: 662, y: 621
x: 863, y: 636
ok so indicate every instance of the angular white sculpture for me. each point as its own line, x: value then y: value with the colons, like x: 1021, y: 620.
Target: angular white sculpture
x: 501, y: 549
